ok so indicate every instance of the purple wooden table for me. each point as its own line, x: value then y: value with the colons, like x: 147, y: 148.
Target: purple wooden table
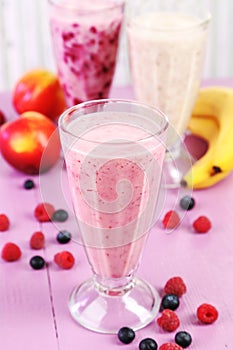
x: 33, y: 304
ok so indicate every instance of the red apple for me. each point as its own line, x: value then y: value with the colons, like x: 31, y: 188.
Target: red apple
x: 30, y: 143
x: 39, y: 90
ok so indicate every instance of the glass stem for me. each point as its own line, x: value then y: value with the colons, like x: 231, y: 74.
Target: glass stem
x: 114, y: 286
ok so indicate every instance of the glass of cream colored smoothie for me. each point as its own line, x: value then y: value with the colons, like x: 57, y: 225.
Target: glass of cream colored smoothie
x: 166, y: 45
x: 85, y: 36
x: 114, y: 151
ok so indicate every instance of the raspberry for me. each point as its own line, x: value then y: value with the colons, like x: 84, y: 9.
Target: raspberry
x: 171, y: 219
x: 168, y: 321
x: 175, y: 285
x: 4, y: 222
x: 64, y: 259
x: 44, y: 212
x: 207, y: 313
x: 202, y: 224
x: 11, y: 252
x: 37, y: 240
x: 170, y: 346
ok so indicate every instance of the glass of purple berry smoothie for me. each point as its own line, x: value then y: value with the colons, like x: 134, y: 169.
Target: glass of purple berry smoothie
x: 85, y: 38
x: 114, y: 151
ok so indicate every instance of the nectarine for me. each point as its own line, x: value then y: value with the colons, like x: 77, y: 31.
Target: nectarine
x: 31, y: 143
x: 39, y: 90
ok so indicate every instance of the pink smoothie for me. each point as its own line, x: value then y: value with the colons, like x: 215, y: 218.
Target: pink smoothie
x: 114, y: 181
x: 85, y: 47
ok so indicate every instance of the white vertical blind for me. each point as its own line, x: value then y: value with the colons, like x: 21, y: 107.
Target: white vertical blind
x: 25, y: 41
x: 219, y: 61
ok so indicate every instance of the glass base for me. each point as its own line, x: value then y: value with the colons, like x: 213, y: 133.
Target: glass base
x: 107, y: 310
x: 177, y: 162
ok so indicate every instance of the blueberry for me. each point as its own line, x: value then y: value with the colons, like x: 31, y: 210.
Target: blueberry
x: 183, y: 339
x: 187, y: 202
x: 37, y: 262
x: 126, y: 335
x: 60, y: 215
x: 63, y: 237
x: 170, y: 301
x: 148, y: 344
x: 28, y: 184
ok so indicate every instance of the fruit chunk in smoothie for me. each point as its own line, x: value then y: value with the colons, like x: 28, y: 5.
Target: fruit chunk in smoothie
x: 85, y: 46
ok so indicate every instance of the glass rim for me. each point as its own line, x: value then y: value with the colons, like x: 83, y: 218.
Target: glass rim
x: 201, y: 22
x: 70, y: 110
x: 112, y: 5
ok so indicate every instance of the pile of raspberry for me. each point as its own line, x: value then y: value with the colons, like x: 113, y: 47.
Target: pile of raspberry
x: 169, y: 320
x: 44, y: 212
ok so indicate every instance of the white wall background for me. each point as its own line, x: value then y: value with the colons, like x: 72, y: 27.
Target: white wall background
x: 25, y: 41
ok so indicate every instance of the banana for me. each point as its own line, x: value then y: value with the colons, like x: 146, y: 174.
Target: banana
x: 212, y: 119
x: 207, y: 129
x: 212, y: 100
x: 211, y: 180
x: 217, y: 102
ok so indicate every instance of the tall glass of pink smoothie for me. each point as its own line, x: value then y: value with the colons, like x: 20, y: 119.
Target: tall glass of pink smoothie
x: 85, y: 37
x: 114, y: 151
x: 166, y: 45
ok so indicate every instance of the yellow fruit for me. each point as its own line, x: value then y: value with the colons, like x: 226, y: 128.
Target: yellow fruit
x: 217, y: 102
x: 212, y: 120
x: 207, y: 129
